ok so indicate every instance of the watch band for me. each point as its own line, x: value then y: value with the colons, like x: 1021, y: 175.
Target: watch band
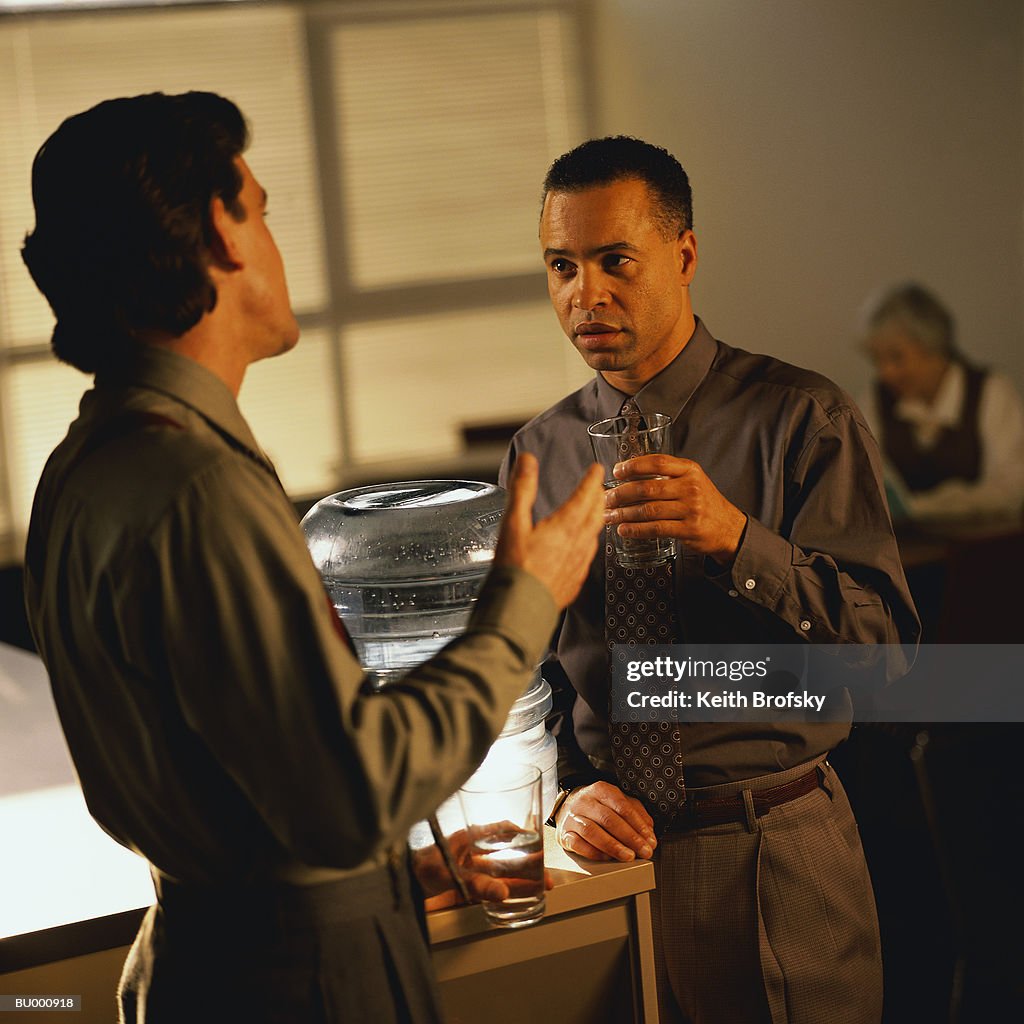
x: 563, y: 795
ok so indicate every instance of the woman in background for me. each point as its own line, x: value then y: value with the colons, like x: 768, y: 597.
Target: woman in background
x: 952, y: 434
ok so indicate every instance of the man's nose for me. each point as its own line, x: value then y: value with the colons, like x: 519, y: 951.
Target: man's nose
x: 589, y: 292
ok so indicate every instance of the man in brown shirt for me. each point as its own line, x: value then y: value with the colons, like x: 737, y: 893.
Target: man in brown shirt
x: 764, y: 909
x: 219, y: 721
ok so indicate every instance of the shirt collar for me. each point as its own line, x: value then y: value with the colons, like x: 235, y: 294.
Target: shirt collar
x: 670, y: 390
x: 946, y: 407
x: 186, y: 381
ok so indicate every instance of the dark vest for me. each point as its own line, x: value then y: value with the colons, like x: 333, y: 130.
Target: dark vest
x: 956, y: 454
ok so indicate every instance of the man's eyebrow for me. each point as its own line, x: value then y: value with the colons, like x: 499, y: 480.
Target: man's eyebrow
x: 601, y: 249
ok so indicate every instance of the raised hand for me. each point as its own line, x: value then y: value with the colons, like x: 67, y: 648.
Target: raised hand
x: 560, y: 548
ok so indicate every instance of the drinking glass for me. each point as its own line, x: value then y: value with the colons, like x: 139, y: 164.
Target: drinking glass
x: 617, y: 440
x: 502, y: 809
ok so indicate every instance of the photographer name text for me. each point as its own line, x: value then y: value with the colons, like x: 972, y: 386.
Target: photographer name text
x: 673, y: 670
x: 725, y: 699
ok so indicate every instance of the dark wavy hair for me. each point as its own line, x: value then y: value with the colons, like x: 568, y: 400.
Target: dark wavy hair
x: 617, y: 157
x: 122, y: 195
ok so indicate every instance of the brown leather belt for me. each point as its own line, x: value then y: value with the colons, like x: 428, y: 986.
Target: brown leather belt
x: 722, y: 810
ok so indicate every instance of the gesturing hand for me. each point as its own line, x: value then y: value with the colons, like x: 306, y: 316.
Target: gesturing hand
x: 560, y: 548
x: 682, y: 502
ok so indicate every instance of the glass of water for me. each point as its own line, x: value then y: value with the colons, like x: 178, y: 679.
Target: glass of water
x: 503, y: 813
x: 617, y: 440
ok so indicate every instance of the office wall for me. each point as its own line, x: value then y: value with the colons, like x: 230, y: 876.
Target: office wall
x: 833, y: 148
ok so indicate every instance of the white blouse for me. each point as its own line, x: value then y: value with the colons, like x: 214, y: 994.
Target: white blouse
x: 999, y: 490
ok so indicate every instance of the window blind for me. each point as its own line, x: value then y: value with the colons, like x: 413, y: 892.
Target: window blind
x: 40, y: 401
x: 434, y: 374
x: 53, y: 67
x: 446, y: 126
x: 439, y: 121
x: 291, y: 404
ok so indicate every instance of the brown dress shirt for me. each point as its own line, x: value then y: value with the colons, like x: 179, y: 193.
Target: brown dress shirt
x: 817, y: 563
x: 217, y: 719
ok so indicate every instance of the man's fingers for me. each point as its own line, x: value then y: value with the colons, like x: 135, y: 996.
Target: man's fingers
x: 604, y: 808
x: 603, y: 832
x: 628, y: 838
x: 560, y: 549
x: 650, y: 513
x: 653, y: 465
x: 584, y: 510
x: 522, y: 491
x: 575, y: 843
x: 493, y: 889
x: 443, y: 900
x: 636, y: 814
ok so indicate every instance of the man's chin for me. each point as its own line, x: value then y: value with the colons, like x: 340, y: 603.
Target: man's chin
x: 289, y: 340
x: 598, y: 360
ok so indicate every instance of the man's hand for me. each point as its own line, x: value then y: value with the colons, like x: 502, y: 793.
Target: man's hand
x: 437, y: 883
x: 559, y: 549
x: 684, y: 503
x: 601, y: 823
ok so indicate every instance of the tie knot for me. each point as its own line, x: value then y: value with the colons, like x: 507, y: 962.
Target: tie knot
x: 632, y: 412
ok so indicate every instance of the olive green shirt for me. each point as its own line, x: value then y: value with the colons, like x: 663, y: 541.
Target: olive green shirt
x: 216, y: 716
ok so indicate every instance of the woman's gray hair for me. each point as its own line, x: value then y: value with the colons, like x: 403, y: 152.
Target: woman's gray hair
x: 918, y: 312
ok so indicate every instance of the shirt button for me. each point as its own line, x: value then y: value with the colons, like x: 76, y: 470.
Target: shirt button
x: 805, y: 625
x: 734, y: 593
x: 750, y: 584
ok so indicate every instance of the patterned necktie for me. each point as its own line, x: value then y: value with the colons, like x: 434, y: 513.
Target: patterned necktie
x: 640, y: 609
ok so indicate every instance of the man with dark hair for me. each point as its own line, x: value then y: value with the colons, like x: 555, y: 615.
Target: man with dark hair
x: 763, y: 909
x: 600, y: 161
x: 158, y: 161
x: 214, y: 708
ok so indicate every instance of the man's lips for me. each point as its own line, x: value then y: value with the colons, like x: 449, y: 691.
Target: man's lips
x: 593, y: 328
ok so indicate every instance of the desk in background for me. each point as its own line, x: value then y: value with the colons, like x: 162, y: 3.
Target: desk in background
x: 965, y: 579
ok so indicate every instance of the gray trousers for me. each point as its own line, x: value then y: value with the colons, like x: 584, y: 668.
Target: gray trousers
x: 349, y: 951
x: 768, y: 921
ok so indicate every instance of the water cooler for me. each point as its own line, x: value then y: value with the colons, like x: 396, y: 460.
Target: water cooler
x: 403, y: 564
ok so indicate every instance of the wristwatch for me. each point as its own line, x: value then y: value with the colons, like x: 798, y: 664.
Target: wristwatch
x: 565, y: 786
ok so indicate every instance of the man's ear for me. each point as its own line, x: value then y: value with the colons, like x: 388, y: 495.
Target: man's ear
x: 687, y: 249
x: 225, y: 249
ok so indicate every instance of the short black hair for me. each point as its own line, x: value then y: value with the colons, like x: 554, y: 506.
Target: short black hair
x: 122, y: 195
x: 617, y: 157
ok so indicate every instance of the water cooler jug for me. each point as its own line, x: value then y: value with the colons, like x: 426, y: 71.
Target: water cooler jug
x: 403, y: 564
